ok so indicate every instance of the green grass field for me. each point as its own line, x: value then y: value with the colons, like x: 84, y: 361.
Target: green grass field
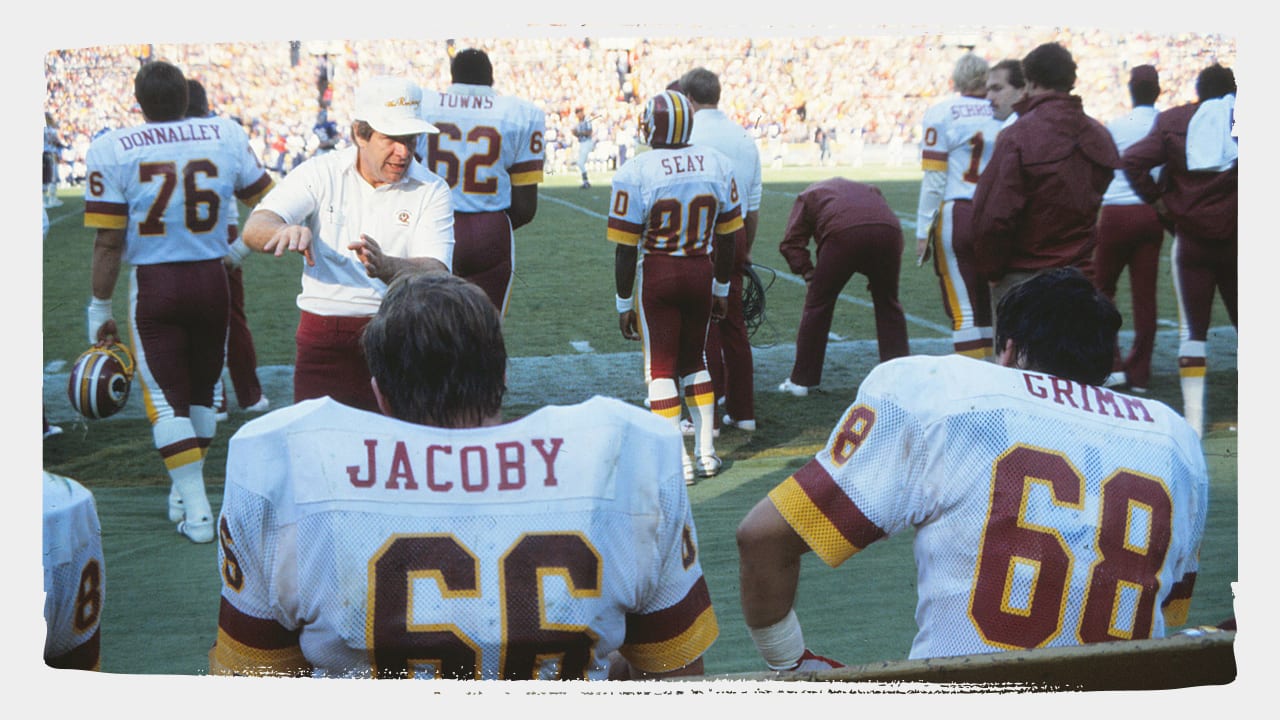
x: 161, y: 606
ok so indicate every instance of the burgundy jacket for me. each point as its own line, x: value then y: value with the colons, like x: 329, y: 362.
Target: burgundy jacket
x: 1036, y: 204
x: 826, y: 207
x: 1201, y: 203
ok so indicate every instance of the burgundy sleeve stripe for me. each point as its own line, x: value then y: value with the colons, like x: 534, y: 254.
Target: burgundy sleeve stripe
x: 98, y: 207
x: 934, y: 155
x: 526, y: 167
x: 841, y: 512
x: 255, y: 632
x: 621, y: 225
x: 84, y: 656
x: 1182, y: 589
x: 669, y: 622
x: 255, y: 189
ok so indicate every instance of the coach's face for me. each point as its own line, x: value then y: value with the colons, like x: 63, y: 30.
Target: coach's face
x: 1002, y: 95
x: 384, y: 159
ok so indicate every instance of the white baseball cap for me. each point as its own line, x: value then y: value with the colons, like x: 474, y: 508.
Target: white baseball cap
x: 392, y: 106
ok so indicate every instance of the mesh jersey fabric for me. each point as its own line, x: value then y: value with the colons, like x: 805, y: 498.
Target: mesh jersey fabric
x: 74, y: 577
x: 1045, y: 512
x: 526, y: 550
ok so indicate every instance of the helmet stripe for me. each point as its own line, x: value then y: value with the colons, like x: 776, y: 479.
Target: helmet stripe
x: 678, y: 133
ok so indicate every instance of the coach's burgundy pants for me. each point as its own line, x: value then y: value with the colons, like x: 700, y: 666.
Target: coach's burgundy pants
x: 874, y: 251
x: 330, y: 361
x: 1131, y: 235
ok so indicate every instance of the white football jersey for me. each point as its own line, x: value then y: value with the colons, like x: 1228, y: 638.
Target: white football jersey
x: 959, y: 136
x: 74, y: 581
x: 362, y: 545
x: 167, y: 183
x: 487, y: 143
x: 671, y: 201
x: 1046, y: 512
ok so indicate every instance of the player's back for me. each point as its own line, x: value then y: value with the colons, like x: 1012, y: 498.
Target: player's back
x: 487, y: 143
x: 167, y: 184
x: 518, y: 551
x: 959, y: 137
x: 74, y: 580
x: 673, y: 200
x: 1046, y: 512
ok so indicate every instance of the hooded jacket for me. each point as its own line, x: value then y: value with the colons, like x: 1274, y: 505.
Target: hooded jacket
x: 1036, y: 204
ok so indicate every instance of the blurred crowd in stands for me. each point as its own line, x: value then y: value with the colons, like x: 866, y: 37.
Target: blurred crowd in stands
x: 849, y: 91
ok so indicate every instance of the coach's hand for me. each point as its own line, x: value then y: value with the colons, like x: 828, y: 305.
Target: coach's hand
x: 291, y: 237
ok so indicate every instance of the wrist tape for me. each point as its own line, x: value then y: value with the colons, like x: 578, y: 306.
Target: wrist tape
x: 780, y: 644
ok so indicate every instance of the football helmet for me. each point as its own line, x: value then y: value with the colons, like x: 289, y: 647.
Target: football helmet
x: 100, y: 381
x: 667, y: 120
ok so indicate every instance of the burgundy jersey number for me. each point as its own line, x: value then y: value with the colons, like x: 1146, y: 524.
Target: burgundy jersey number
x: 1124, y: 564
x: 397, y: 644
x: 469, y: 171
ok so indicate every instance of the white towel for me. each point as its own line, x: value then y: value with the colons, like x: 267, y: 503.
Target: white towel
x: 1212, y: 142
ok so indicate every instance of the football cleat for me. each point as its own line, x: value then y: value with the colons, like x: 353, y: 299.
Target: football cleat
x: 688, y: 471
x: 667, y: 120
x: 197, y: 532
x: 789, y: 387
x: 100, y: 380
x: 728, y: 421
x: 177, y: 511
x: 708, y: 466
x: 688, y: 430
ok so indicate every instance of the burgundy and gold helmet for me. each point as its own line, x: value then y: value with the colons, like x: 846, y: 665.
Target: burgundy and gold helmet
x: 100, y: 381
x: 667, y: 120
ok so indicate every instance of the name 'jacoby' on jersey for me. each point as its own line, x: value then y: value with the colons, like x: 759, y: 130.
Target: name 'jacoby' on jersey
x: 527, y: 550
x: 165, y: 184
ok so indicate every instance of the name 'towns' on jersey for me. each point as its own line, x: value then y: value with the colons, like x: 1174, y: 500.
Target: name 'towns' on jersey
x: 527, y: 550
x: 672, y: 200
x: 166, y: 183
x: 487, y: 143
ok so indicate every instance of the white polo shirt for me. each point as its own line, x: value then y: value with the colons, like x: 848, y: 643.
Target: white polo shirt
x: 410, y: 218
x: 1126, y: 131
x: 713, y: 128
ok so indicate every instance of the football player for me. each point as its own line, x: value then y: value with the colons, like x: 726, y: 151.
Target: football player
x: 74, y: 575
x: 437, y: 541
x: 155, y: 195
x: 959, y: 134
x: 490, y: 150
x: 1047, y: 510
x: 241, y: 356
x: 673, y: 214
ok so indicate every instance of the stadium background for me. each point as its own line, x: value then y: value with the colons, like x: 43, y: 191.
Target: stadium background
x: 562, y: 329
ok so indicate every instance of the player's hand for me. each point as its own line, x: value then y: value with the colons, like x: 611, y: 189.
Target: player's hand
x: 98, y: 317
x: 811, y: 661
x: 627, y: 324
x: 295, y: 238
x: 922, y: 251
x: 107, y: 334
x: 719, y: 308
